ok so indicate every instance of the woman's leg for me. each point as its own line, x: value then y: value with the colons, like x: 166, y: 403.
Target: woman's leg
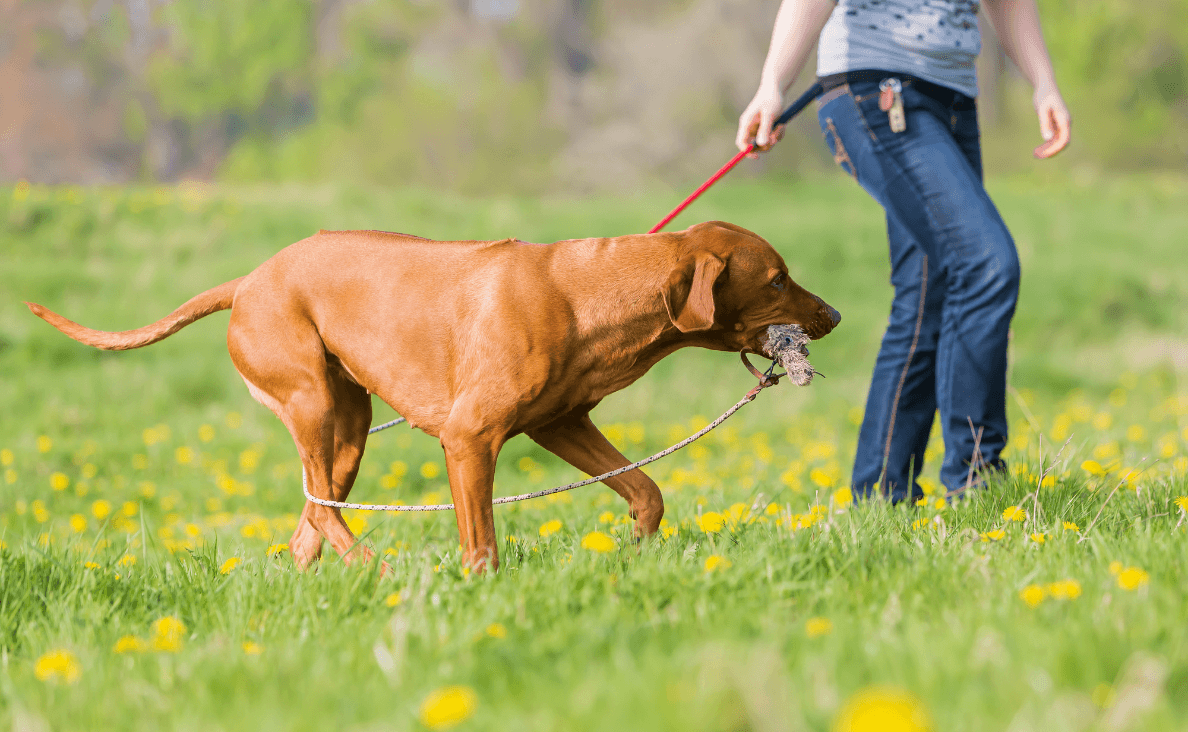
x: 929, y: 181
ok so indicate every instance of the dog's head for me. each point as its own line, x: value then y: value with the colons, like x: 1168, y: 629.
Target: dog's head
x: 729, y: 285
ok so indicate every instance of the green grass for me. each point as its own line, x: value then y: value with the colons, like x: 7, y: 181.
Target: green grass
x: 160, y: 455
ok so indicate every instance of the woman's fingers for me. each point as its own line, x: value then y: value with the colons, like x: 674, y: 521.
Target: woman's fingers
x: 1055, y: 126
x: 754, y: 126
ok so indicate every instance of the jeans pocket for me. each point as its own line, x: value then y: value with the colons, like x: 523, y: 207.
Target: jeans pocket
x: 838, y: 148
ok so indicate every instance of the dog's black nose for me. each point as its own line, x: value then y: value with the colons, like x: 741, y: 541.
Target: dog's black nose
x: 834, y: 315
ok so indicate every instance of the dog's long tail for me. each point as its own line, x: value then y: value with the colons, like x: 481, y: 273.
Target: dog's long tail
x: 199, y: 306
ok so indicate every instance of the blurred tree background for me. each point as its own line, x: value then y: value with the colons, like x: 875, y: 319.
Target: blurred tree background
x: 500, y: 95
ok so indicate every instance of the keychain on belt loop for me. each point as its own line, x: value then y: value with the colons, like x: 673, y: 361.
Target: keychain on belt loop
x: 891, y: 102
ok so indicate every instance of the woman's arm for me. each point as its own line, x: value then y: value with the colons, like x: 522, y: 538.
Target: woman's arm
x: 1018, y: 26
x: 797, y: 26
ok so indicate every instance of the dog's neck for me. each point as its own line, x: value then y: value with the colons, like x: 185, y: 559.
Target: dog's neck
x: 617, y: 299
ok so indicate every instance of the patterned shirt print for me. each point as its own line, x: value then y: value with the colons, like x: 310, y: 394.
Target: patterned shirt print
x: 937, y: 40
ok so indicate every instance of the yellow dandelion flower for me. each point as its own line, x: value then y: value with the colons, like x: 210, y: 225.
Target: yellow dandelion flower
x: 183, y: 455
x: 101, y: 509
x: 1067, y: 589
x: 229, y: 565
x: 44, y: 444
x: 817, y: 627
x: 1070, y: 526
x: 842, y: 497
x: 448, y: 706
x: 717, y: 563
x: 277, y: 549
x: 1033, y: 595
x: 393, y: 599
x: 1092, y: 467
x: 711, y: 522
x: 89, y: 470
x: 168, y: 633
x: 78, y: 523
x: 1039, y: 538
x: 130, y: 644
x: 1115, y: 567
x: 1014, y: 513
x: 496, y: 630
x: 1182, y: 502
x: 127, y: 560
x: 249, y: 460
x: 940, y: 504
x: 995, y: 535
x: 1129, y: 475
x: 251, y: 648
x: 1132, y: 578
x: 774, y: 508
x: 598, y: 542
x: 6, y: 457
x: 736, y: 513
x: 1136, y: 433
x: 1049, y: 481
x: 429, y: 471
x: 882, y: 709
x: 130, y: 508
x: 606, y: 517
x: 91, y: 565
x: 59, y: 481
x: 10, y: 476
x: 234, y: 420
x: 57, y: 665
x: 548, y: 528
x: 922, y: 501
x: 206, y: 433
x: 821, y: 478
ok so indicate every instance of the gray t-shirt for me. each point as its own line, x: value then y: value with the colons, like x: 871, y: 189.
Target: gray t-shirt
x: 936, y: 40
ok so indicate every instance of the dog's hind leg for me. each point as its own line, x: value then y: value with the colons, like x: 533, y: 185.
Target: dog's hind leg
x: 291, y: 376
x: 578, y: 442
x: 352, y: 419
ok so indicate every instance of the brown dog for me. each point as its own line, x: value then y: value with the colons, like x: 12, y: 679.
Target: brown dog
x: 475, y: 342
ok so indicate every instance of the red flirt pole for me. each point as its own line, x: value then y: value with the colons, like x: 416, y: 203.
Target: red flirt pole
x: 801, y: 102
x: 704, y: 186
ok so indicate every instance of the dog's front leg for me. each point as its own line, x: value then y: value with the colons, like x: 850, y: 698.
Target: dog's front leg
x: 578, y: 442
x: 470, y: 452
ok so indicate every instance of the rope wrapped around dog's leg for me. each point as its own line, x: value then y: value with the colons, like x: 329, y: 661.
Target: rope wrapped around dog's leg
x: 767, y: 379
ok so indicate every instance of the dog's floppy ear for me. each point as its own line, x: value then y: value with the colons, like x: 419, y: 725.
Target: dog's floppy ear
x: 689, y: 292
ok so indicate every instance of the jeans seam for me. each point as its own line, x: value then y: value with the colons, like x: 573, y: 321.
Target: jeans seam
x: 839, y: 149
x: 903, y: 375
x: 865, y: 126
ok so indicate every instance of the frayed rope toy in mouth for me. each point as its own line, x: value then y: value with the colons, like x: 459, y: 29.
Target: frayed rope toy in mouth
x: 785, y: 345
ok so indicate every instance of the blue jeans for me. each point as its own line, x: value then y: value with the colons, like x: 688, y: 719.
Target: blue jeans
x: 956, y: 277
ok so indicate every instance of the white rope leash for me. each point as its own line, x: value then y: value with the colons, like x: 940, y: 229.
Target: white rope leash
x: 763, y: 384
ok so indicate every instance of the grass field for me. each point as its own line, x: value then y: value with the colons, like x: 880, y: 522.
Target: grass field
x: 145, y: 497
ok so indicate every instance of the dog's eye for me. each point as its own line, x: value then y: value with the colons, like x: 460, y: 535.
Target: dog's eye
x: 778, y: 282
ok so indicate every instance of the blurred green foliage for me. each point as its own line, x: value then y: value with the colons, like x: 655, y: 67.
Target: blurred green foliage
x: 1123, y: 69
x: 530, y: 95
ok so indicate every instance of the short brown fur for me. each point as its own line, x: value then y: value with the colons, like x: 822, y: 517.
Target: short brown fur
x: 475, y: 342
